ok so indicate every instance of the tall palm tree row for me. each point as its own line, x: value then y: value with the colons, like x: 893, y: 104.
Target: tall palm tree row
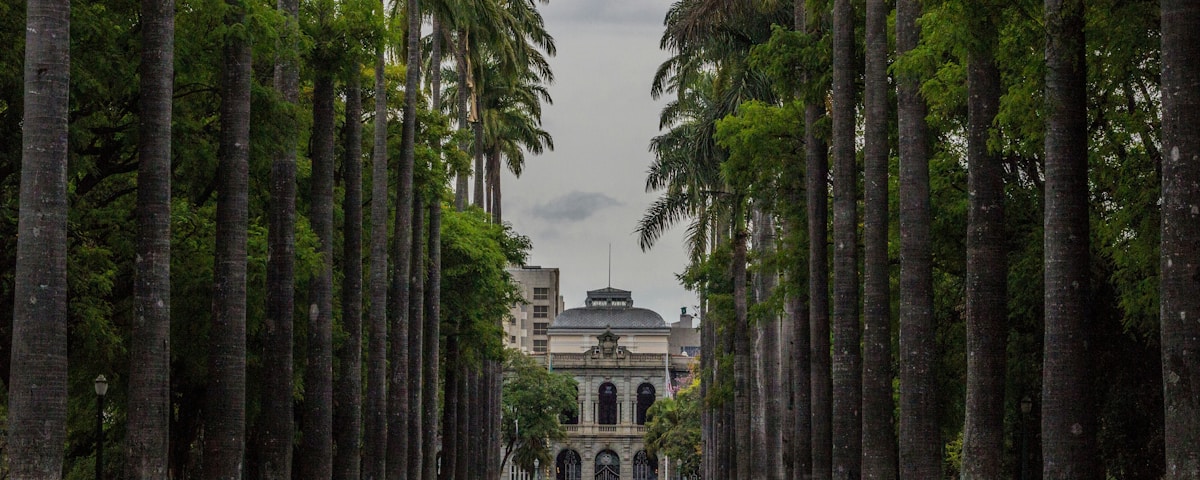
x: 232, y: 401
x: 981, y: 331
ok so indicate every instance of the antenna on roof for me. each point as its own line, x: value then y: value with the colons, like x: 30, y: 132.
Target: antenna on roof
x: 609, y: 264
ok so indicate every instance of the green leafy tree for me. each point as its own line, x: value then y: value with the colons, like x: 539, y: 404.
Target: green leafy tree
x: 673, y: 430
x: 533, y: 401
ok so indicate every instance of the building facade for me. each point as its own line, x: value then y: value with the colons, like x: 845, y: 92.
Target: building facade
x: 623, y: 358
x: 527, y: 326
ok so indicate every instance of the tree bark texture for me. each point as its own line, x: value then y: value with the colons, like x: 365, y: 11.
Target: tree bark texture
x: 847, y: 356
x: 347, y: 401
x: 817, y: 192
x: 742, y: 367
x: 1180, y: 263
x: 433, y: 309
x: 416, y: 343
x: 37, y: 402
x: 400, y: 431
x: 987, y: 269
x: 148, y: 435
x: 316, y: 443
x: 225, y: 412
x: 1068, y: 418
x: 275, y: 426
x: 375, y: 414
x: 878, y: 427
x: 462, y: 180
x: 920, y: 440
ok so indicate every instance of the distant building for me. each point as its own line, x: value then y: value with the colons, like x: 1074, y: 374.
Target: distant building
x: 526, y: 329
x: 624, y: 358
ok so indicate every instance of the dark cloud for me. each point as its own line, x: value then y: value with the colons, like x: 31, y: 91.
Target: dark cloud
x: 573, y: 207
x: 609, y: 12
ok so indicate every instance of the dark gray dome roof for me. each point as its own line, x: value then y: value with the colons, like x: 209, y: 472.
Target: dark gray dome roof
x: 608, y: 317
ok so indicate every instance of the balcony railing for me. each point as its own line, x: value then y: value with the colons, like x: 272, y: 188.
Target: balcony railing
x: 624, y: 430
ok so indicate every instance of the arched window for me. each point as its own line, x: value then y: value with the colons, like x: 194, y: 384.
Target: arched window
x: 645, y: 467
x: 645, y: 398
x: 608, y: 404
x: 608, y: 466
x: 568, y: 465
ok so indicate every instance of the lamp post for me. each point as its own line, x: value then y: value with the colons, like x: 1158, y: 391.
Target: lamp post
x: 1026, y: 408
x: 537, y: 471
x: 101, y: 385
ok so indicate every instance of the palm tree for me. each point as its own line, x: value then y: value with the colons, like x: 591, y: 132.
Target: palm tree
x: 816, y: 180
x: 512, y: 117
x: 432, y: 338
x: 416, y: 340
x: 1068, y: 419
x: 987, y: 268
x: 38, y: 390
x: 275, y: 429
x: 920, y: 442
x: 375, y: 416
x: 879, y: 438
x: 347, y: 404
x: 150, y: 349
x: 316, y: 445
x: 225, y: 414
x: 1181, y: 137
x: 399, y: 410
x: 847, y: 359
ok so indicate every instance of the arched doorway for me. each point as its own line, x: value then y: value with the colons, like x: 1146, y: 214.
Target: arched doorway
x: 608, y: 404
x: 568, y: 465
x: 645, y: 398
x: 645, y: 467
x: 608, y: 465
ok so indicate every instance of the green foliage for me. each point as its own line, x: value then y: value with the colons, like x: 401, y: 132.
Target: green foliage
x: 476, y: 289
x: 533, y: 400
x: 673, y: 429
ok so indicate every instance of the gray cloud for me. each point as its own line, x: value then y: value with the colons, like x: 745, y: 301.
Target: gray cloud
x: 573, y: 207
x: 596, y: 12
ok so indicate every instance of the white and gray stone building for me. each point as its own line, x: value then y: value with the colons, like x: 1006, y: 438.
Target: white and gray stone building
x: 623, y: 358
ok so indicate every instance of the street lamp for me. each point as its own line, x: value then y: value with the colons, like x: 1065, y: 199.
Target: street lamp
x: 101, y: 385
x: 537, y: 472
x: 1026, y: 408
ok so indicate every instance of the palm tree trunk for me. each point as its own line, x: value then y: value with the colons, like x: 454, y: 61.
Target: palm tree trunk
x: 1180, y: 229
x: 879, y: 437
x: 432, y: 326
x: 347, y: 405
x: 316, y: 445
x: 225, y: 413
x: 149, y: 415
x: 275, y: 425
x: 37, y: 408
x: 987, y: 269
x: 847, y: 357
x: 375, y: 423
x: 771, y: 341
x: 1068, y: 417
x: 742, y: 368
x: 399, y: 411
x: 920, y: 441
x: 416, y: 325
x: 461, y: 181
x: 450, y: 406
x: 817, y: 192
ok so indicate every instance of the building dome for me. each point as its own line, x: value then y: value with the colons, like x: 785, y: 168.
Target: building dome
x: 608, y: 308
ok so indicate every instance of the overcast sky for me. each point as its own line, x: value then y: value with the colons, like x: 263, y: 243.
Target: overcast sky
x: 589, y: 192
